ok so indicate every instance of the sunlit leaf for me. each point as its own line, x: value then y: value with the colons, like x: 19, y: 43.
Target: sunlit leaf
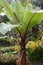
x: 27, y: 16
x: 4, y: 28
x: 29, y: 6
x: 16, y: 12
x: 18, y: 9
x: 8, y: 9
x: 38, y: 16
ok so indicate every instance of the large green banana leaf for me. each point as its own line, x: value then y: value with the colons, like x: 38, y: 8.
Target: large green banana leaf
x: 26, y: 14
x: 8, y: 10
x: 23, y: 14
x: 18, y: 9
x: 32, y: 17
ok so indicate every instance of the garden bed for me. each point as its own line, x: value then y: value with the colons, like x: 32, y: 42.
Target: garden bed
x: 8, y: 56
x: 8, y: 59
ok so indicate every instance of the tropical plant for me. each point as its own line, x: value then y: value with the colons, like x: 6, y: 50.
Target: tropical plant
x: 26, y: 18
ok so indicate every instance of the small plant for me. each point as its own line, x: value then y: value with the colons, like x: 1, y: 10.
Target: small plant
x: 25, y: 18
x: 35, y: 52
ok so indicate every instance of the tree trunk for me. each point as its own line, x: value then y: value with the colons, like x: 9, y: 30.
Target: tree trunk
x: 22, y: 58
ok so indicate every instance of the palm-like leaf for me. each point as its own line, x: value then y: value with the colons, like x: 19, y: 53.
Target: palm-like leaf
x: 8, y: 9
x: 18, y: 9
x: 36, y: 19
x: 28, y: 17
x: 23, y: 14
x: 4, y: 28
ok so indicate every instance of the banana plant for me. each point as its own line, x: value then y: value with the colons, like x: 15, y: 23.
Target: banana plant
x: 27, y: 18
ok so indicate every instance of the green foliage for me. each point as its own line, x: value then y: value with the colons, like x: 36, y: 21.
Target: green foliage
x: 6, y: 41
x: 25, y: 16
x: 8, y: 59
x: 8, y: 50
x: 6, y: 27
x: 17, y: 9
x: 8, y: 56
x: 1, y: 9
x: 35, y: 55
x: 7, y: 8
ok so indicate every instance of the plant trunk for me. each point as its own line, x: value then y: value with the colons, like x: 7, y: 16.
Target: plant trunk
x: 22, y: 58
